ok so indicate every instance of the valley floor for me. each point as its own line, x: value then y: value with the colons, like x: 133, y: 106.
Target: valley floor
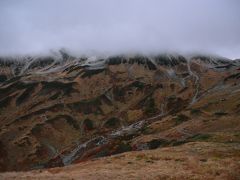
x: 193, y: 160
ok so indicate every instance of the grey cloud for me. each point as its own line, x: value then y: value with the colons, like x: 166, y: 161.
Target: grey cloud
x: 120, y: 26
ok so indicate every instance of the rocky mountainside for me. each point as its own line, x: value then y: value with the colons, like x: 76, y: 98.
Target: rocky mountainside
x: 61, y: 110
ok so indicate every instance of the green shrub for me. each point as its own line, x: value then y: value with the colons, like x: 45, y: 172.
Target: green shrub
x: 138, y: 84
x: 150, y: 107
x: 200, y: 137
x: 112, y: 122
x: 123, y: 147
x: 220, y: 113
x: 181, y: 118
x: 88, y: 124
x: 195, y: 111
x: 155, y: 143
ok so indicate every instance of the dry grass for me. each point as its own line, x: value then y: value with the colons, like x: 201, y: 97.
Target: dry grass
x: 198, y: 160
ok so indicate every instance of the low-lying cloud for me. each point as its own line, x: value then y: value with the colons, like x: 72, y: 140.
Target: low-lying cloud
x: 120, y: 26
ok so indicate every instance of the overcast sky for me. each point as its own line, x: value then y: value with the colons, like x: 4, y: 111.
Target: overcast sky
x: 120, y: 26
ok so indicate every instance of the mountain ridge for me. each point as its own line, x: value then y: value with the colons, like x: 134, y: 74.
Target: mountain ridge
x: 21, y: 64
x: 96, y: 107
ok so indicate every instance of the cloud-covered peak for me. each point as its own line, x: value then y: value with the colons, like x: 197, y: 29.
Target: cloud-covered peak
x: 114, y: 26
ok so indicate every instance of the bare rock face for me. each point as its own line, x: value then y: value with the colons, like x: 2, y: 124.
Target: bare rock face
x: 56, y: 111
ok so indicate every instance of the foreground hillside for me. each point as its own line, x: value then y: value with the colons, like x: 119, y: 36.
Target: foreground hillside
x: 60, y: 111
x: 202, y: 160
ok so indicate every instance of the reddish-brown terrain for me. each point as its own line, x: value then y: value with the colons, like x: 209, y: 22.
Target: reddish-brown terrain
x: 172, y: 117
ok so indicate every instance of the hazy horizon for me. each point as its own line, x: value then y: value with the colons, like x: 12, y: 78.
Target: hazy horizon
x: 120, y: 27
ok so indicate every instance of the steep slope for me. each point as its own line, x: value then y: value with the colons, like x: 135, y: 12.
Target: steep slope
x: 55, y: 111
